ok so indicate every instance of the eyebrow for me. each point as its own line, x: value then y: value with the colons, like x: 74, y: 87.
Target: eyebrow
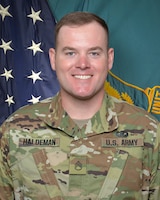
x: 68, y: 48
x: 90, y: 49
x: 95, y: 48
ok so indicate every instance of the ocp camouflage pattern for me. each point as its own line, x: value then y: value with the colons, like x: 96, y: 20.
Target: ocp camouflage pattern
x: 45, y: 155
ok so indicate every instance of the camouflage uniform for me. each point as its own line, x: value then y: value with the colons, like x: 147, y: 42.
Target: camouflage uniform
x: 46, y: 156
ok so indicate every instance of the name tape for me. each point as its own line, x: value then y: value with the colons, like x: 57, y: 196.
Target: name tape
x: 25, y: 142
x: 113, y: 142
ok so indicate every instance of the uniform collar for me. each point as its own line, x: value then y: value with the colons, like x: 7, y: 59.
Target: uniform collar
x: 105, y: 120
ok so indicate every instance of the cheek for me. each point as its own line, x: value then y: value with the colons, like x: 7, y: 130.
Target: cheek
x: 59, y: 66
x: 103, y: 68
x: 103, y: 73
x: 63, y: 64
x: 62, y: 72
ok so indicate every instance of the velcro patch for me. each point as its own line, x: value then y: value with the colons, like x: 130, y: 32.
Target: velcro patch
x: 78, y: 165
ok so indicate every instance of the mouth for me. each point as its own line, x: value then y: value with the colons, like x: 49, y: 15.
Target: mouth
x: 83, y: 77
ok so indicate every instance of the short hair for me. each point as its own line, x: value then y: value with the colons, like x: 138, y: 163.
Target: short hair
x: 79, y: 18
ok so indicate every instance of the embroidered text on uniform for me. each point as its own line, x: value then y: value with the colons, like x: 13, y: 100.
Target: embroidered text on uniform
x: 38, y: 142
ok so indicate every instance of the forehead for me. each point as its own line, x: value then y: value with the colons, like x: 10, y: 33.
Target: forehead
x: 90, y: 30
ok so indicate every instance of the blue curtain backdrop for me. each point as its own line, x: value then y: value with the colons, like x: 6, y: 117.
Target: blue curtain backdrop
x: 26, y: 34
x: 134, y: 34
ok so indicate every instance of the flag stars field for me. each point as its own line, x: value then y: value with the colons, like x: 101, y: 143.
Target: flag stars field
x: 25, y: 72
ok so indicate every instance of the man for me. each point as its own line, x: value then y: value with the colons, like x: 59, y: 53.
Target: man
x: 82, y: 143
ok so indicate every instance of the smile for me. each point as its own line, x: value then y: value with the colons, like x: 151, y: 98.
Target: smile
x: 83, y: 76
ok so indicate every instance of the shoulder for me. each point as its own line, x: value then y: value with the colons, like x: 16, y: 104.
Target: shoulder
x: 33, y: 109
x: 132, y: 114
x: 27, y: 116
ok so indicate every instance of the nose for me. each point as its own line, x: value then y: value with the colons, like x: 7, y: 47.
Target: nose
x: 83, y: 61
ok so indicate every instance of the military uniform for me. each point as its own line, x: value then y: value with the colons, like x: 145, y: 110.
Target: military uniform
x: 45, y: 155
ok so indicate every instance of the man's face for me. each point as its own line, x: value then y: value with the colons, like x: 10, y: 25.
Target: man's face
x: 82, y: 60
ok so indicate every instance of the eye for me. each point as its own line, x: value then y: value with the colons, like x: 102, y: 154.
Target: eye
x: 94, y: 53
x: 69, y: 53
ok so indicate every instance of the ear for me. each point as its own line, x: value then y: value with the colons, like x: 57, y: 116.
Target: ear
x: 110, y: 58
x: 52, y: 57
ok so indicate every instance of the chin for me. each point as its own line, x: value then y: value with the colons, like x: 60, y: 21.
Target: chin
x: 83, y: 97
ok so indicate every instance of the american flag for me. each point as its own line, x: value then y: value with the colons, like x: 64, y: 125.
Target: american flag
x: 26, y: 34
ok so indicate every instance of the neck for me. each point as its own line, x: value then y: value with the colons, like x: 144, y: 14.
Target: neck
x: 82, y: 108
